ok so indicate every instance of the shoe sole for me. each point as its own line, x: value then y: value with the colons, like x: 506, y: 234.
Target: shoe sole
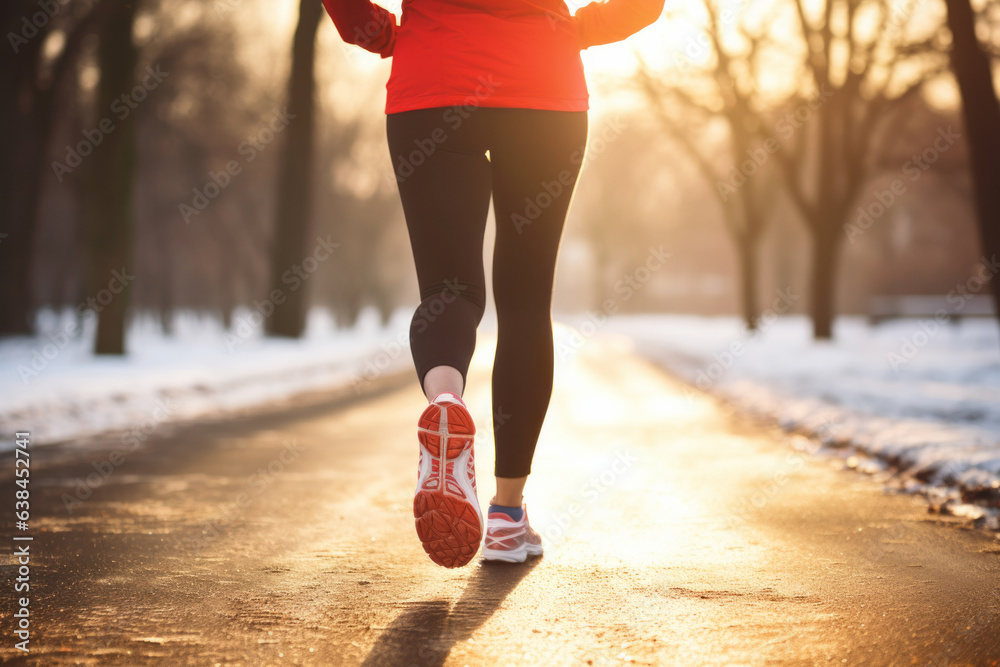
x: 518, y: 555
x: 449, y: 523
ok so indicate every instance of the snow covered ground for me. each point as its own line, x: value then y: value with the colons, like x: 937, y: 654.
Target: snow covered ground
x: 920, y: 396
x: 53, y: 387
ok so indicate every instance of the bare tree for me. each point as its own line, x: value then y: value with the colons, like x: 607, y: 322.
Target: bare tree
x: 294, y: 185
x: 971, y: 66
x: 616, y: 203
x: 723, y: 91
x: 852, y: 59
x: 846, y: 77
x: 192, y: 251
x: 202, y: 234
x: 109, y: 177
x: 31, y: 82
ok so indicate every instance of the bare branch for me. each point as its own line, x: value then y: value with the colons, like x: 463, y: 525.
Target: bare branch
x: 655, y: 94
x: 815, y: 67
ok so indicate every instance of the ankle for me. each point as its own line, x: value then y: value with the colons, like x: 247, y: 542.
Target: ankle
x: 507, y: 501
x: 510, y: 491
x: 515, y: 513
x: 443, y: 379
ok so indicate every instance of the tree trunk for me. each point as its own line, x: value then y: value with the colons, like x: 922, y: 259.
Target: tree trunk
x: 108, y: 175
x: 981, y: 112
x: 747, y: 254
x: 295, y: 179
x: 34, y: 169
x: 17, y: 227
x: 17, y: 231
x: 26, y: 125
x: 348, y: 310
x: 17, y: 241
x: 826, y: 247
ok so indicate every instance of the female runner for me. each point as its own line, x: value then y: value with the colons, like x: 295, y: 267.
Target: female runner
x: 485, y: 98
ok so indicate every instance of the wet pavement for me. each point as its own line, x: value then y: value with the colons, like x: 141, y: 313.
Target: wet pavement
x: 676, y: 533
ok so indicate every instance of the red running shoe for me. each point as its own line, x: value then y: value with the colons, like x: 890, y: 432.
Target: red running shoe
x: 449, y: 521
x: 510, y: 541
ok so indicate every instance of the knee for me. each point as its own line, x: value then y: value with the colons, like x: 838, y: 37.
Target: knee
x: 451, y: 296
x: 447, y: 292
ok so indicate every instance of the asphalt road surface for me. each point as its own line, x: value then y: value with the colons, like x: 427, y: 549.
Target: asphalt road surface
x: 676, y: 533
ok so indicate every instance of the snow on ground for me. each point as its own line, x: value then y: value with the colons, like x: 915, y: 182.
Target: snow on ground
x: 920, y: 396
x: 53, y: 387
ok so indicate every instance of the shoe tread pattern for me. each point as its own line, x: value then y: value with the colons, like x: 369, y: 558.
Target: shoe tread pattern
x: 447, y: 524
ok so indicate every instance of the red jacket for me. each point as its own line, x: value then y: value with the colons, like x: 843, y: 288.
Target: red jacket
x: 491, y: 53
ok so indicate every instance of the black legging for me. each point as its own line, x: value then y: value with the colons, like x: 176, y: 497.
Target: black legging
x: 445, y: 181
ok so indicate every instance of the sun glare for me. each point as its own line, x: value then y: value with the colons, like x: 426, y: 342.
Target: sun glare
x: 609, y: 67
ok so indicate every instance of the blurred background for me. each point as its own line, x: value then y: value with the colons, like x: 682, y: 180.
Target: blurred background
x: 767, y: 145
x: 792, y: 205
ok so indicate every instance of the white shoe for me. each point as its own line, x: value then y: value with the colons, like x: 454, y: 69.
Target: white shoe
x: 510, y: 541
x: 445, y: 506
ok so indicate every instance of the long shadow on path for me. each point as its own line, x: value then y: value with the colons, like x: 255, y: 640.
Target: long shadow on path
x: 426, y: 631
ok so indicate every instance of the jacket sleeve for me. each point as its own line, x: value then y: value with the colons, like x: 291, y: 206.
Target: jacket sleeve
x: 612, y: 21
x: 363, y: 23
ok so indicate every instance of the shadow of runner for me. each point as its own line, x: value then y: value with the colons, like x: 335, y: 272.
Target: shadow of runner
x: 425, y: 632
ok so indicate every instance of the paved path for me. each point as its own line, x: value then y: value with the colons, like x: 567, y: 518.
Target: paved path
x: 676, y: 533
